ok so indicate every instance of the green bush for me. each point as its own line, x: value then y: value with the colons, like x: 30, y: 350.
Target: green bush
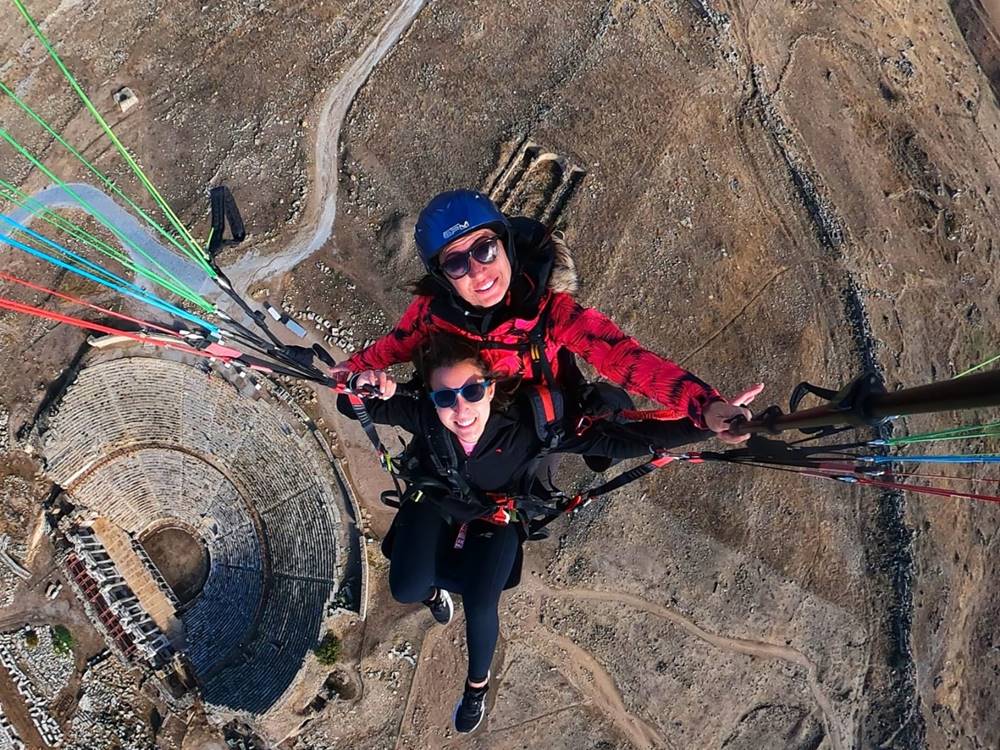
x: 328, y: 650
x: 31, y: 640
x: 62, y: 639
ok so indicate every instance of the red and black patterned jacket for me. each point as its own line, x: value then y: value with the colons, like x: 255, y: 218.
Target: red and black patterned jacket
x: 543, y: 283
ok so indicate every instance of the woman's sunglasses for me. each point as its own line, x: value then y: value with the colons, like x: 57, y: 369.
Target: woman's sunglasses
x: 446, y: 398
x: 458, y: 265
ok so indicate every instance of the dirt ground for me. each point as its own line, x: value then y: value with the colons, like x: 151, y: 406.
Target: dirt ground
x: 180, y: 558
x: 776, y: 190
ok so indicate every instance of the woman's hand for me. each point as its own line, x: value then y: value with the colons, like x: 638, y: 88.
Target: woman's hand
x: 379, y: 380
x: 719, y: 414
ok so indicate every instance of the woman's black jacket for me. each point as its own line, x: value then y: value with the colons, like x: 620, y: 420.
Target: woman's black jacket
x: 505, y: 457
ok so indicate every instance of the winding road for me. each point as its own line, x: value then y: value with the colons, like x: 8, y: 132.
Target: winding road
x: 321, y: 205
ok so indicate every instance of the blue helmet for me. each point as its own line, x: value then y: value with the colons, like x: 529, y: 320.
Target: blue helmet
x: 453, y: 214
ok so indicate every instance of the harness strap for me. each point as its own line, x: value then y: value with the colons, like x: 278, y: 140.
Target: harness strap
x: 365, y: 420
x: 504, y: 513
x: 534, y: 347
x: 626, y: 477
x: 540, y: 365
x: 224, y: 210
x: 510, y: 507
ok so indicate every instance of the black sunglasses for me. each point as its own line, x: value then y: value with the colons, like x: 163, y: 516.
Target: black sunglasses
x: 458, y: 265
x: 445, y: 398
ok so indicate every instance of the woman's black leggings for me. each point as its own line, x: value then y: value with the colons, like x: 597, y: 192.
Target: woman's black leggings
x: 423, y: 558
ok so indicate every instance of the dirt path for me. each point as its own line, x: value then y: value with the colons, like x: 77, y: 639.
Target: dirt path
x: 321, y: 207
x: 759, y: 649
x: 598, y: 686
x: 586, y: 673
x: 427, y: 645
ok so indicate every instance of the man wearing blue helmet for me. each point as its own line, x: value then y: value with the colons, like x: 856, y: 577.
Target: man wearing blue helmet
x: 508, y: 284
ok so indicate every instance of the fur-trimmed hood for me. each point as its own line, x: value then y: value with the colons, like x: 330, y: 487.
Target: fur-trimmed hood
x: 563, y: 277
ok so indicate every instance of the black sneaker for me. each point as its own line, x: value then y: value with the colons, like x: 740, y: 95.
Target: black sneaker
x: 471, y: 709
x: 441, y: 606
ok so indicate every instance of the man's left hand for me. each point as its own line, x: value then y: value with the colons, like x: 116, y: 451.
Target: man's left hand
x: 719, y: 414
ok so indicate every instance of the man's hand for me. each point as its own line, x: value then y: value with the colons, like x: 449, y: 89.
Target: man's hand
x: 379, y: 380
x: 719, y: 414
x: 340, y: 372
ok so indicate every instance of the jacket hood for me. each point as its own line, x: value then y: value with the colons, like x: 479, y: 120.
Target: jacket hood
x: 563, y: 277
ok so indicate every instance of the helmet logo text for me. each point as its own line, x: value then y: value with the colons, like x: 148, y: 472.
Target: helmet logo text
x: 456, y: 228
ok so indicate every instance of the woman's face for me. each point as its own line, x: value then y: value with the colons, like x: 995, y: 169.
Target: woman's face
x: 467, y: 420
x: 485, y: 284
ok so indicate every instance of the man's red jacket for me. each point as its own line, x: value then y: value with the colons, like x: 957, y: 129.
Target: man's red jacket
x: 569, y: 325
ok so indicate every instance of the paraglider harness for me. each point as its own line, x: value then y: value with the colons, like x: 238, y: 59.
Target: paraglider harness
x: 446, y: 486
x: 536, y: 503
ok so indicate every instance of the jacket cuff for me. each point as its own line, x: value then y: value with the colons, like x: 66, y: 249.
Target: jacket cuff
x: 696, y: 410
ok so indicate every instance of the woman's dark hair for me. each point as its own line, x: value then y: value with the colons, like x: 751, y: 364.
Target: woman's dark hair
x: 425, y: 286
x: 448, y: 350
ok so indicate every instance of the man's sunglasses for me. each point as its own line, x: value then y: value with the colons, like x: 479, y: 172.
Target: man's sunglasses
x: 446, y: 398
x: 458, y: 265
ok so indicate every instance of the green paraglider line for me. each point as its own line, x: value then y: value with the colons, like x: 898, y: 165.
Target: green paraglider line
x: 97, y: 214
x: 980, y: 366
x: 22, y: 200
x: 108, y: 182
x: 133, y: 165
x: 118, y: 284
x: 959, y: 433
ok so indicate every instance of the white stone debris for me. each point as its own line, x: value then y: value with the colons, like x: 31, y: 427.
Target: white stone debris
x: 11, y: 571
x: 46, y: 725
x: 9, y: 738
x: 19, y: 570
x: 48, y: 670
x: 4, y: 437
x: 110, y: 710
x: 125, y: 98
x: 405, y: 652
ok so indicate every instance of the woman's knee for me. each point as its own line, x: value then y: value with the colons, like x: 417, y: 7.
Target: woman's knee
x: 409, y: 584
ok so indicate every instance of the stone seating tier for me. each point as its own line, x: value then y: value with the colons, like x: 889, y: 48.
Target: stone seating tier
x: 143, y: 442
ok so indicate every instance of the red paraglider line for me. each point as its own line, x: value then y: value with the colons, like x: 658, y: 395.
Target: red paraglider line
x: 77, y: 301
x: 856, y: 477
x: 940, y: 491
x: 9, y: 304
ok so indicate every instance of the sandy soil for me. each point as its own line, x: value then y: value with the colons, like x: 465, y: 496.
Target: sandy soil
x: 181, y: 559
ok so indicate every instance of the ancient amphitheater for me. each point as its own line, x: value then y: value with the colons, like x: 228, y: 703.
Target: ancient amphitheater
x: 246, y: 494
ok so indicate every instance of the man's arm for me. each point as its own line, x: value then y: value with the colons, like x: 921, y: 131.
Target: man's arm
x: 399, y: 345
x: 621, y: 359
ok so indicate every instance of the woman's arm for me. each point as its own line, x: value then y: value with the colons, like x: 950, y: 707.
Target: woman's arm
x: 633, y: 439
x: 620, y: 358
x: 398, y: 411
x: 399, y: 345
